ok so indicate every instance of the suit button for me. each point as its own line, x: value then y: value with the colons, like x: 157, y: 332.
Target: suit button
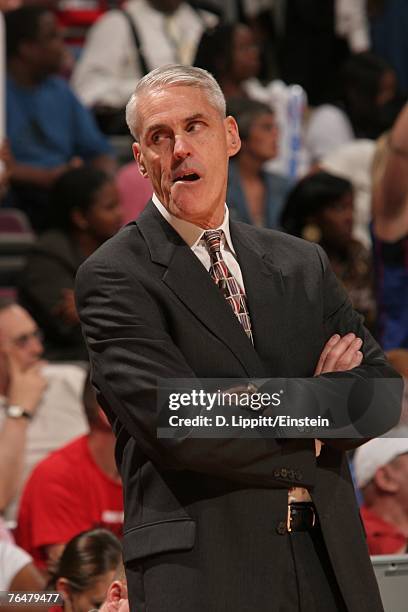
x: 277, y: 473
x: 281, y: 528
x: 298, y: 475
x: 284, y: 472
x: 291, y: 474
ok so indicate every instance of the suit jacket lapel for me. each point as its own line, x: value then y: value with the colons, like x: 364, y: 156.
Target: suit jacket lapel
x: 265, y: 290
x: 185, y: 275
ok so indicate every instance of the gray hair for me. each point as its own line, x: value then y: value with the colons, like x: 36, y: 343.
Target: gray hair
x: 173, y: 75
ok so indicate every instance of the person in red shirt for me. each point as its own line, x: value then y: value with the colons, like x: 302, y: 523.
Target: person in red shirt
x: 381, y: 469
x: 73, y: 489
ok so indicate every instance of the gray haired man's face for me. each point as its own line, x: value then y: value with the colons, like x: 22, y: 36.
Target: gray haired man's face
x: 184, y: 146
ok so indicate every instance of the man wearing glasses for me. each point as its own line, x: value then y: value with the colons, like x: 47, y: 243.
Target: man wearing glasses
x: 40, y: 403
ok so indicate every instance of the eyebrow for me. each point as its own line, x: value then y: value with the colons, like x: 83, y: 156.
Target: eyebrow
x: 158, y: 126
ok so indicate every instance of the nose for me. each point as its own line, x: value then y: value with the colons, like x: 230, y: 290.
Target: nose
x: 182, y: 148
x: 36, y: 347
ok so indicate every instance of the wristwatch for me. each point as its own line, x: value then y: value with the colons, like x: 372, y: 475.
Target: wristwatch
x: 16, y: 412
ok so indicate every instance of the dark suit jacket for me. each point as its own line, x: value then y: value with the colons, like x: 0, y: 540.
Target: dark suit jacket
x: 204, y: 519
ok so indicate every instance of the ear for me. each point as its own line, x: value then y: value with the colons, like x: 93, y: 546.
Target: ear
x: 385, y: 480
x: 63, y: 588
x: 116, y: 593
x: 232, y: 133
x: 138, y: 155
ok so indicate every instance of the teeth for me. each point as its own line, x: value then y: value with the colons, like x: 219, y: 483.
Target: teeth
x: 186, y: 176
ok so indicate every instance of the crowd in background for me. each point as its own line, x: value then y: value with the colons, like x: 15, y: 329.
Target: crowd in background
x: 319, y: 89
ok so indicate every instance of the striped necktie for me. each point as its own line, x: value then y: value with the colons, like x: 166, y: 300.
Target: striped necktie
x: 226, y: 282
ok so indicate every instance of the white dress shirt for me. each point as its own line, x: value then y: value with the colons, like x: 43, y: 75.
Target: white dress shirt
x: 193, y: 236
x: 108, y: 69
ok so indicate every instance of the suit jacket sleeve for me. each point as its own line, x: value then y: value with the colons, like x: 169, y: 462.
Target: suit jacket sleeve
x: 341, y: 318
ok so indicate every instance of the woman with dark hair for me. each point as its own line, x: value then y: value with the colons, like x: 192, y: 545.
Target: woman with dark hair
x: 254, y: 195
x: 320, y: 209
x: 371, y: 96
x: 85, y: 213
x: 230, y: 53
x: 85, y: 570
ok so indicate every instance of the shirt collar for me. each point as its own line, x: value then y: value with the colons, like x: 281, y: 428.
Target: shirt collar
x: 190, y: 233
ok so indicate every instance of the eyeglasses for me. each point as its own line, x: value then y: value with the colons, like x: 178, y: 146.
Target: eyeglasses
x: 24, y: 339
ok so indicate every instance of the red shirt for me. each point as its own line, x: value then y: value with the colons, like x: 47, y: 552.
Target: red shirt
x: 382, y: 537
x: 67, y: 493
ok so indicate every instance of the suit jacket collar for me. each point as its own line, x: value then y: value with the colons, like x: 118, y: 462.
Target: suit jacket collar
x: 184, y: 274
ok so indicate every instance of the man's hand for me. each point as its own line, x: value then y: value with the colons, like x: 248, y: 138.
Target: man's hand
x: 26, y: 387
x: 340, y: 354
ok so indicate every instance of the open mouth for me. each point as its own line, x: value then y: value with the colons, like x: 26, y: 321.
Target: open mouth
x: 189, y: 177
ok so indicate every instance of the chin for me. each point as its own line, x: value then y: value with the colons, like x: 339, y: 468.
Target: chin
x: 186, y: 203
x: 187, y: 210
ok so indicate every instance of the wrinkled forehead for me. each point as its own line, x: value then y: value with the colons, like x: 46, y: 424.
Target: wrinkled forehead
x: 170, y: 104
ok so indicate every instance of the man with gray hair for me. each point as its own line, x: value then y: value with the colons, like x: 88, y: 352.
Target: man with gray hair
x: 216, y: 524
x: 40, y: 403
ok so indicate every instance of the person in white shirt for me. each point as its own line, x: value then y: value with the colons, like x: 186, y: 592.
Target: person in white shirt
x: 111, y: 64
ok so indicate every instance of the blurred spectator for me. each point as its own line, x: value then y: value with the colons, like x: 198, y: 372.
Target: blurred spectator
x: 48, y: 129
x: 84, y: 213
x: 381, y: 469
x: 320, y: 209
x: 49, y: 394
x: 371, y: 96
x: 367, y: 104
x: 17, y: 571
x: 255, y: 195
x: 89, y: 563
x: 390, y: 234
x: 134, y: 189
x: 125, y: 45
x: 24, y: 383
x: 231, y: 54
x: 316, y: 37
x: 353, y: 161
x: 76, y: 488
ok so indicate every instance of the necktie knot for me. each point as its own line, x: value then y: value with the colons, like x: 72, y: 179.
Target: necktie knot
x: 213, y: 241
